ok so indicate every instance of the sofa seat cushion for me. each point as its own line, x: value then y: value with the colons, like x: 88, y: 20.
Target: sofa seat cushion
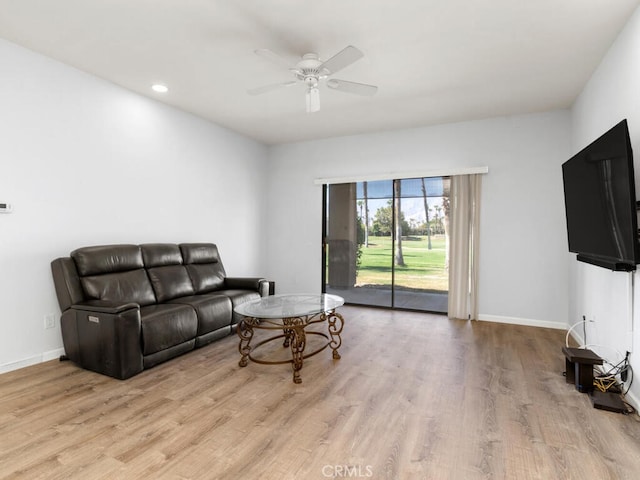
x: 167, y: 325
x: 238, y: 297
x: 214, y: 311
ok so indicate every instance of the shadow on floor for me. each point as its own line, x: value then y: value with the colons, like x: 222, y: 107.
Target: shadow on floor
x: 381, y: 297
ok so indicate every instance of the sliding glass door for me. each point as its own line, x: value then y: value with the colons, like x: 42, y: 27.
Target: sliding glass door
x: 385, y: 243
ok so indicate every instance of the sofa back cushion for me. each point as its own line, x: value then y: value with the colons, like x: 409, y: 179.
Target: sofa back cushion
x: 107, y: 259
x: 168, y: 276
x: 203, y: 264
x: 160, y: 254
x: 114, y: 273
x: 122, y: 287
x: 170, y: 282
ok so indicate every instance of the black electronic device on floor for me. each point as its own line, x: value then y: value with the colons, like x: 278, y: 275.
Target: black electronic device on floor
x: 607, y: 401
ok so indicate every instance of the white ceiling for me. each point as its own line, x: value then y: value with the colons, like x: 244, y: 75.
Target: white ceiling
x: 434, y: 61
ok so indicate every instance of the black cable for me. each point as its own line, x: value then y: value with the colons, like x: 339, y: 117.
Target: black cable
x: 615, y: 368
x: 630, y: 370
x: 630, y: 408
x: 606, y: 380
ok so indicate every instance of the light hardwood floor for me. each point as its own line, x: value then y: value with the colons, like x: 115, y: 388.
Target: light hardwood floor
x: 415, y: 396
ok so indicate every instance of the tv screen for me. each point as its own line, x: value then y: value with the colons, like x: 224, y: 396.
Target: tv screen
x: 600, y: 202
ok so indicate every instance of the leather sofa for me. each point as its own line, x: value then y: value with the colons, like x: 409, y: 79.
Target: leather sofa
x: 126, y: 308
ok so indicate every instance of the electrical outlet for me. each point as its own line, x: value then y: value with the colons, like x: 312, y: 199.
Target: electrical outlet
x: 49, y: 320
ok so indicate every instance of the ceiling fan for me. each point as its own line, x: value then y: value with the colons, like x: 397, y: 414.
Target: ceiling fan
x: 310, y: 71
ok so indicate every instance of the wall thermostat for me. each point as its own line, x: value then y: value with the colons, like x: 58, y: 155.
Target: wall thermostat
x: 5, y: 207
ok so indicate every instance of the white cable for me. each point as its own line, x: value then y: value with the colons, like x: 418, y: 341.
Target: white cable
x: 566, y: 340
x: 622, y: 357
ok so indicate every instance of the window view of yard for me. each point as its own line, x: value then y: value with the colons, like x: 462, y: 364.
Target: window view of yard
x: 424, y: 269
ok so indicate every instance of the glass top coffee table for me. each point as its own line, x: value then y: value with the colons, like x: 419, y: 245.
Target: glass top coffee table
x: 291, y: 315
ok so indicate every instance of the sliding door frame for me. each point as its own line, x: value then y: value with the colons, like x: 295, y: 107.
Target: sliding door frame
x: 394, y: 240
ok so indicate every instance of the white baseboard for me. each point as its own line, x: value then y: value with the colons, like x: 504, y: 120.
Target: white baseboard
x: 27, y: 362
x: 523, y: 321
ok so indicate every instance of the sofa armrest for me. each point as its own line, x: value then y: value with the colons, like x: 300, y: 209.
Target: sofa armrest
x: 104, y: 337
x: 247, y: 283
x: 102, y: 306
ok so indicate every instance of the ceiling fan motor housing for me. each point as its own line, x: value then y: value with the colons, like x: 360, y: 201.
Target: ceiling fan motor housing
x: 307, y: 70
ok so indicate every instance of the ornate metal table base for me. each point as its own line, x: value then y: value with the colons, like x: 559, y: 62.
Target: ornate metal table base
x: 294, y: 335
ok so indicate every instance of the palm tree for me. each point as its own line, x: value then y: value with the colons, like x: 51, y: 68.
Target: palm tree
x: 438, y: 208
x: 366, y: 215
x: 446, y: 205
x: 399, y: 259
x: 426, y: 212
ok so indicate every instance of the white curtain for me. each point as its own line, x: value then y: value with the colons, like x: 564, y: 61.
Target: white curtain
x: 463, y: 247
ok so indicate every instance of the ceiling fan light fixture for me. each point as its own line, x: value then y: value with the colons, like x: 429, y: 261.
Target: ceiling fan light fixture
x: 313, y: 100
x: 159, y: 88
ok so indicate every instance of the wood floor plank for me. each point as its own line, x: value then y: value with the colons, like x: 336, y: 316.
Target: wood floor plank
x: 414, y: 396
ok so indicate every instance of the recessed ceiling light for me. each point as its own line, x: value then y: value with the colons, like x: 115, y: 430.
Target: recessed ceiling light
x: 160, y: 88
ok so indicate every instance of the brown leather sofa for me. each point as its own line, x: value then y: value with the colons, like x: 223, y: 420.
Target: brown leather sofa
x: 126, y: 308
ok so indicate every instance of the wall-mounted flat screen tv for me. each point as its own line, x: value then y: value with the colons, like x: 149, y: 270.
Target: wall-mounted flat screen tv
x: 600, y: 202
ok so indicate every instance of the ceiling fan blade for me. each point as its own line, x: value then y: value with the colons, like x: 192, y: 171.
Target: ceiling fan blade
x: 274, y: 57
x: 352, y: 87
x: 269, y: 88
x: 342, y: 59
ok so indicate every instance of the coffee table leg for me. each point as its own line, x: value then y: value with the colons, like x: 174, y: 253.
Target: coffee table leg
x: 298, y: 342
x: 245, y: 332
x: 288, y: 332
x: 335, y: 322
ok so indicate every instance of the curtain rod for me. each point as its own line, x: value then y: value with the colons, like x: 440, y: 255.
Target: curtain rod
x: 442, y: 172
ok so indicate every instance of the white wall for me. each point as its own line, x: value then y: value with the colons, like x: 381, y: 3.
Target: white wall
x: 85, y: 162
x: 523, y: 275
x: 612, y: 93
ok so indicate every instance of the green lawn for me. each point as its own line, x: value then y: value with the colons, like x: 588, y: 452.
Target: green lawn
x: 424, y: 268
